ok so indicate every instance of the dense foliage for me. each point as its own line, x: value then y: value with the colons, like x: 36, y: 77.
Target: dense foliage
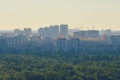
x: 60, y: 66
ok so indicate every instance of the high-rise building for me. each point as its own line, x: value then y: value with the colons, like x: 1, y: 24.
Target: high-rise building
x: 87, y: 34
x: 64, y: 30
x: 92, y: 34
x: 18, y: 32
x: 115, y: 39
x: 27, y: 31
x: 17, y: 40
x: 52, y: 31
x: 43, y: 32
x: 74, y: 44
x: 106, y: 34
x: 61, y: 44
x: 35, y: 38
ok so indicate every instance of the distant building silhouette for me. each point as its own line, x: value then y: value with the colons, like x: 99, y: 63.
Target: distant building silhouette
x: 86, y: 34
x: 115, y: 39
x: 106, y: 34
x: 52, y: 31
x: 16, y: 40
x: 61, y: 44
x: 64, y: 30
x: 18, y: 32
x: 27, y: 31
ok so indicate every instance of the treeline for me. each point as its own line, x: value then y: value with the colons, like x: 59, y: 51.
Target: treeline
x: 60, y: 66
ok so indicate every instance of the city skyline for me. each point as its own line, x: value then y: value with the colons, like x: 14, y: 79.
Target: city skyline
x: 102, y: 14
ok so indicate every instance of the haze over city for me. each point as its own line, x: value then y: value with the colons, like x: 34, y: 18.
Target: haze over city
x: 102, y: 14
x: 59, y: 39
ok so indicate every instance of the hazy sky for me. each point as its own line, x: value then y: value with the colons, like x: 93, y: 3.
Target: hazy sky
x: 102, y: 14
